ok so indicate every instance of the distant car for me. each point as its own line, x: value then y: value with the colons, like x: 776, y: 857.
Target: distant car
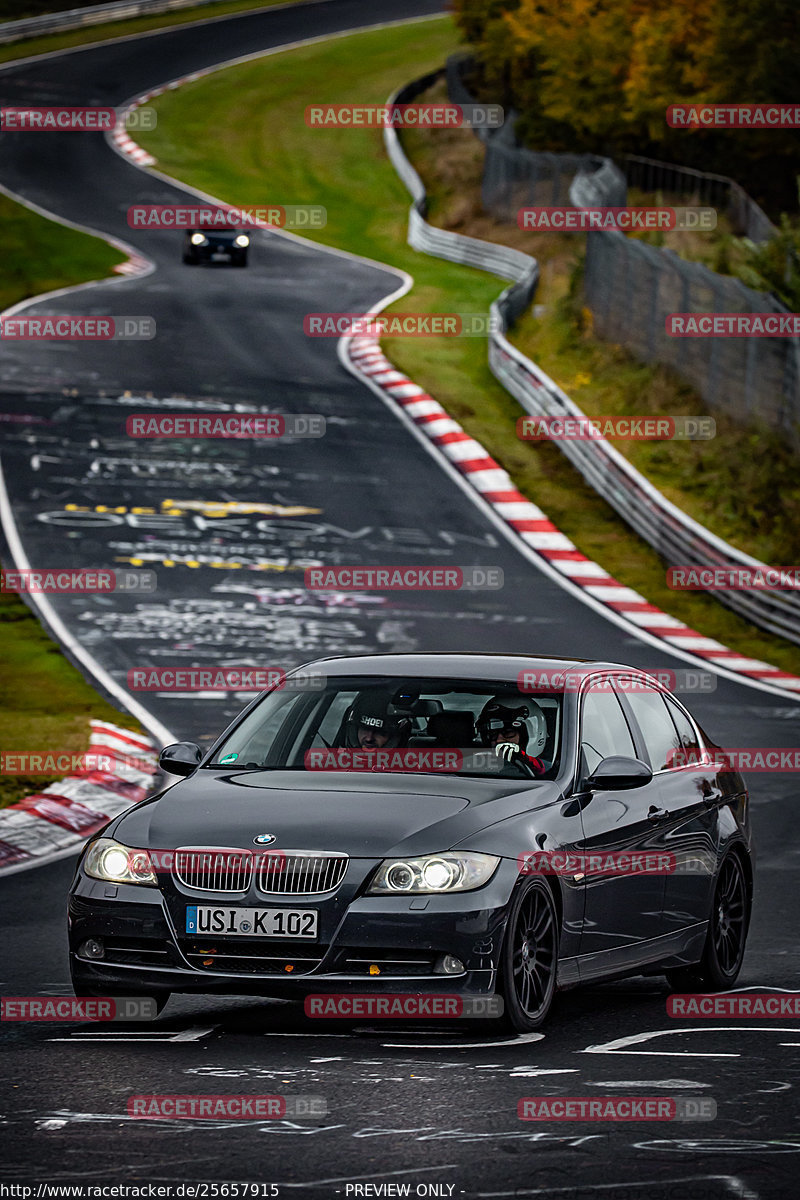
x: 216, y: 245
x: 394, y: 874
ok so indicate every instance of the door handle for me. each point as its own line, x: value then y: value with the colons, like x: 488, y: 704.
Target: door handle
x: 656, y: 814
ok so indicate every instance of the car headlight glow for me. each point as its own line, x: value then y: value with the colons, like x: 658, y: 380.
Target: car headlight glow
x: 199, y: 239
x: 454, y: 871
x: 242, y: 240
x: 111, y: 861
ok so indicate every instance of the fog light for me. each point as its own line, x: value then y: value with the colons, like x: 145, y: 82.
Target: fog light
x: 92, y: 948
x: 448, y: 964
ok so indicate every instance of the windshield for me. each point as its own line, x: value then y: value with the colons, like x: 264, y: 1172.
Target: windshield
x: 449, y: 726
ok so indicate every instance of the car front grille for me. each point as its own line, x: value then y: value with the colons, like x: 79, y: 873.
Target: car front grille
x: 214, y: 870
x: 301, y: 873
x: 277, y: 873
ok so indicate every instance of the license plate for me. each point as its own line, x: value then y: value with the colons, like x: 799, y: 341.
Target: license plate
x: 220, y: 256
x: 251, y: 922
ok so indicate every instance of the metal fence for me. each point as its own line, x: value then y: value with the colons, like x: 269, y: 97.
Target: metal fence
x: 746, y: 218
x: 514, y: 176
x: 676, y: 537
x: 632, y: 287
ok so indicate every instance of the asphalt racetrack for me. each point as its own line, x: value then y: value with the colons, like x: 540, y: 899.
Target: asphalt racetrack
x: 417, y: 1104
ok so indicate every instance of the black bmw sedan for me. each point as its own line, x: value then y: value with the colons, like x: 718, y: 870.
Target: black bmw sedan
x: 216, y: 245
x: 469, y: 825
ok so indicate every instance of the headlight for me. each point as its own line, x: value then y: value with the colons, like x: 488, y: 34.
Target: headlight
x: 450, y: 872
x: 111, y: 861
x: 242, y: 240
x: 199, y: 239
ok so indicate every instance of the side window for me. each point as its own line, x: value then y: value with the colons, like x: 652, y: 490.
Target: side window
x: 688, y: 738
x: 254, y: 748
x: 333, y: 718
x: 658, y: 731
x: 320, y: 726
x: 604, y: 729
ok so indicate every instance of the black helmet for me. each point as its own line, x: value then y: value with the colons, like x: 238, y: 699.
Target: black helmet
x: 375, y: 710
x: 505, y: 715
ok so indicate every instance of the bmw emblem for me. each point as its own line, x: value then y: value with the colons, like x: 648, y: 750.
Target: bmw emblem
x: 264, y: 839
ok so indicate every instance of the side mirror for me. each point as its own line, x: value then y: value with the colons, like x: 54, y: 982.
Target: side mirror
x: 180, y: 758
x: 617, y: 773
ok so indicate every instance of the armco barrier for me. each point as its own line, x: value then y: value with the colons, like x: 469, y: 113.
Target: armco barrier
x: 675, y: 536
x: 79, y: 18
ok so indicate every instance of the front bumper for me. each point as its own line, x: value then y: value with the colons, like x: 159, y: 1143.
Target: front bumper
x: 402, y: 936
x: 206, y: 253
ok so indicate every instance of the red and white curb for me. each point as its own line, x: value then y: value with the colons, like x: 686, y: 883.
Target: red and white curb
x: 122, y: 140
x: 120, y: 137
x: 51, y: 823
x: 124, y: 143
x: 136, y: 265
x: 532, y: 526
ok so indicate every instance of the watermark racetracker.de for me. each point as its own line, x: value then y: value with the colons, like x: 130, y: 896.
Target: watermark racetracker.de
x: 225, y: 425
x: 404, y: 578
x: 62, y: 581
x: 71, y: 328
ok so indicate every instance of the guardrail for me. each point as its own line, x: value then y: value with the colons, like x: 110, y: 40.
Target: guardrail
x: 674, y: 535
x: 720, y: 191
x: 78, y: 18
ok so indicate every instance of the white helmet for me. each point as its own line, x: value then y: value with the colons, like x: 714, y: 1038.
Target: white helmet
x: 506, y: 713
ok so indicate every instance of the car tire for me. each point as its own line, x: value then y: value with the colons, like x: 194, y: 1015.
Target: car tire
x: 724, y: 947
x: 529, y: 957
x: 190, y: 260
x: 161, y: 998
x: 240, y: 262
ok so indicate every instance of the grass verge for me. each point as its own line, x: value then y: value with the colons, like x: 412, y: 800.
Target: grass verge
x: 231, y: 132
x: 46, y: 702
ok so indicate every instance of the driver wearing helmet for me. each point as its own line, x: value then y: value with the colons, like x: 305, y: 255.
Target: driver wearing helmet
x: 503, y: 725
x: 372, y: 721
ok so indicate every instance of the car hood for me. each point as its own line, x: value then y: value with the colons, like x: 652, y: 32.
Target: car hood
x: 350, y: 812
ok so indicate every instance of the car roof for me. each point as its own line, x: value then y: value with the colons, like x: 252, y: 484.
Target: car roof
x: 471, y: 666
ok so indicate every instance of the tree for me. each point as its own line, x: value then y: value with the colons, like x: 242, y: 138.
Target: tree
x: 671, y: 47
x: 579, y: 51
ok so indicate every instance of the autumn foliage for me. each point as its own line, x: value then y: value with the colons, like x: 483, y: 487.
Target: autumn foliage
x: 598, y: 75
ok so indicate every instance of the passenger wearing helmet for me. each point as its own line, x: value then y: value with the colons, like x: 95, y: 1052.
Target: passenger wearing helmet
x: 511, y: 729
x: 372, y: 721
